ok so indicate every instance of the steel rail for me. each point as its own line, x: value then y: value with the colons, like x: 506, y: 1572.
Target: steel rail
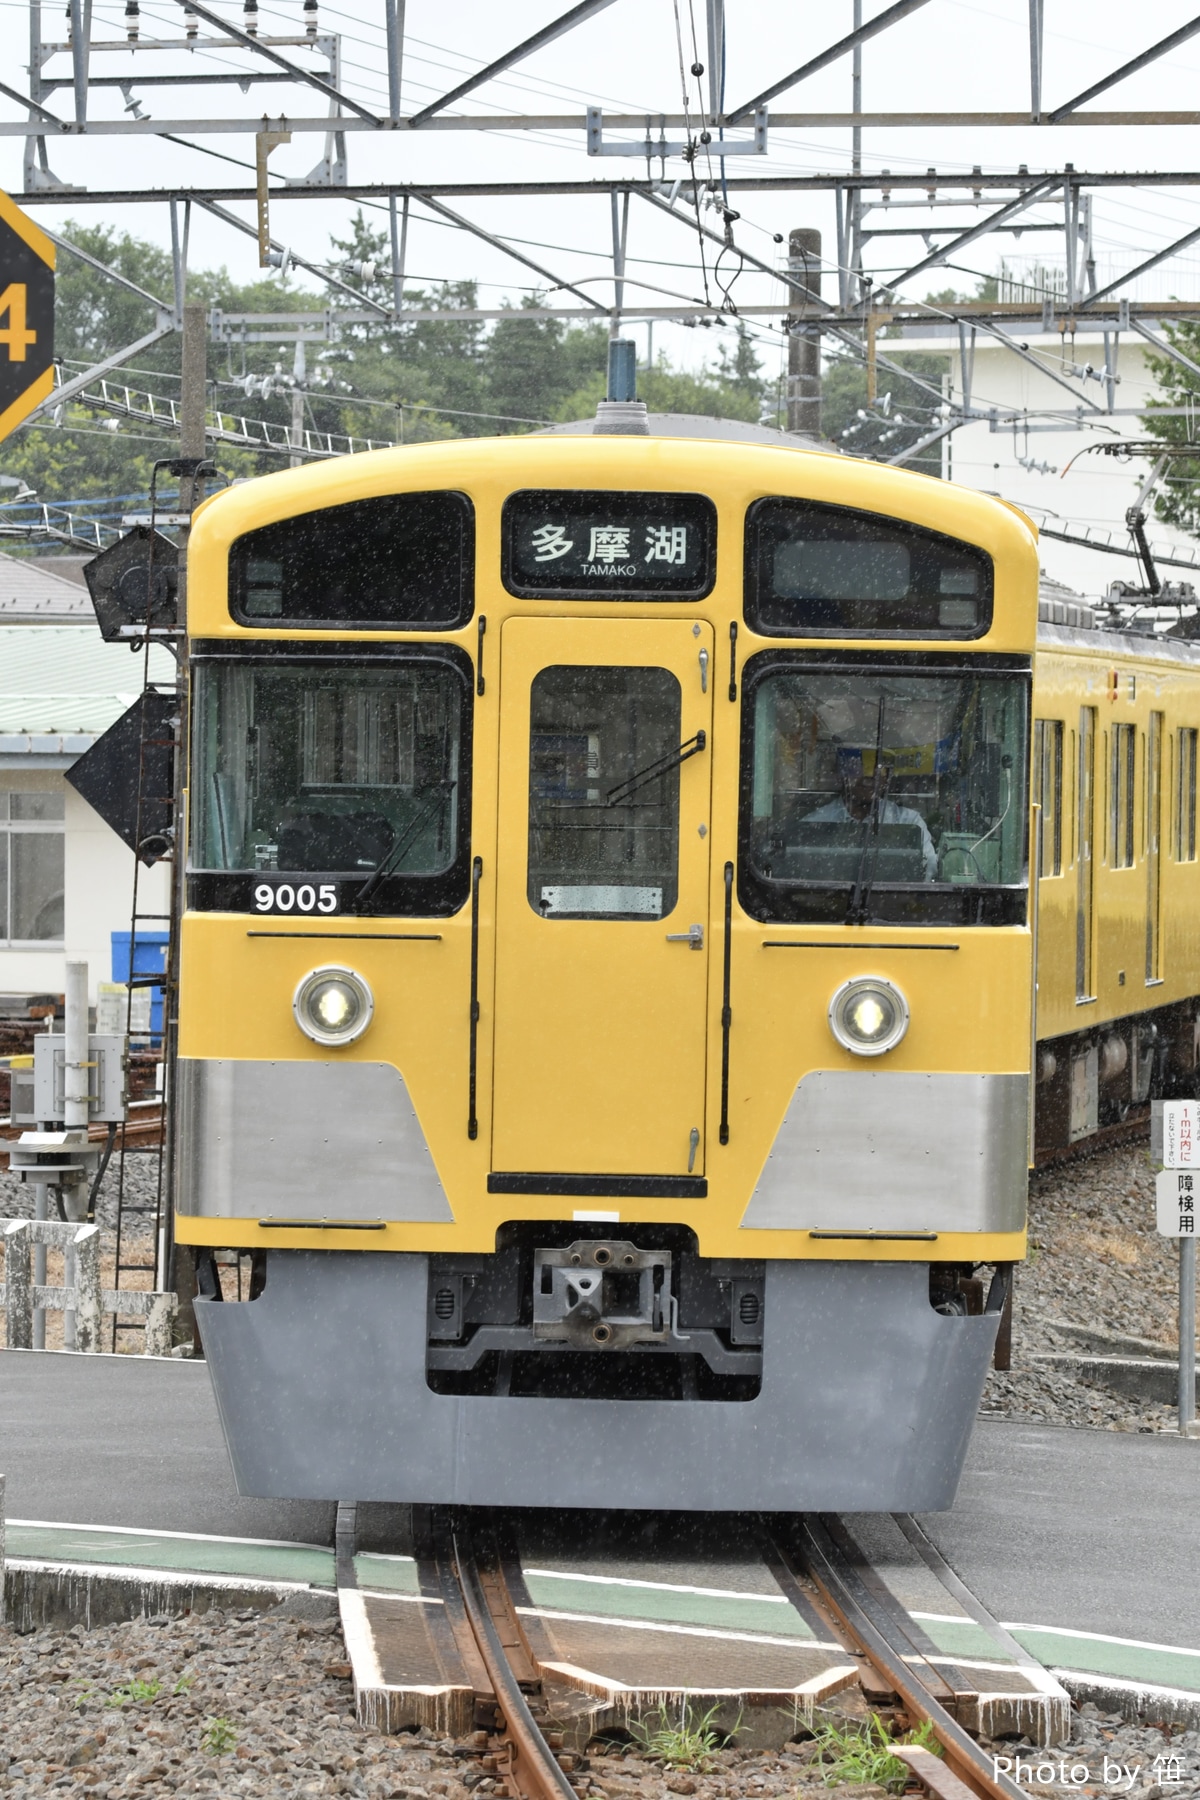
x: 532, y: 1768
x: 813, y: 1552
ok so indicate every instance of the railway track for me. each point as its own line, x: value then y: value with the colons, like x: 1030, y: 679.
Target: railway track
x: 895, y: 1665
x: 501, y: 1680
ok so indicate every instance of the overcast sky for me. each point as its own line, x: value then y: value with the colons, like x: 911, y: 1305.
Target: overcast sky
x: 951, y: 54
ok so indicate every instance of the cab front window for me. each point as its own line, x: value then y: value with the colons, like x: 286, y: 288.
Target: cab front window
x: 884, y: 794
x: 320, y: 767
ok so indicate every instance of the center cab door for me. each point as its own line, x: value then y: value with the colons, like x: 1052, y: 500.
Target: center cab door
x: 602, y: 906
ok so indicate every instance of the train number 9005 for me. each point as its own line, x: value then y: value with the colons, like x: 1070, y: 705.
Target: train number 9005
x: 303, y: 899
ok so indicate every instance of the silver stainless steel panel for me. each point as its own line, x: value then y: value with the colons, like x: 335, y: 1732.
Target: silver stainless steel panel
x: 304, y: 1140
x: 867, y: 1402
x: 880, y: 1150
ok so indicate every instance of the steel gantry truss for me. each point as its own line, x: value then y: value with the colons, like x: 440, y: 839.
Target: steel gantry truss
x: 700, y: 165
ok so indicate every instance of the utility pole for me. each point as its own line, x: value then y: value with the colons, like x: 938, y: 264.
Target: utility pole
x: 299, y: 371
x: 804, y: 339
x: 178, y: 1260
x: 854, y: 234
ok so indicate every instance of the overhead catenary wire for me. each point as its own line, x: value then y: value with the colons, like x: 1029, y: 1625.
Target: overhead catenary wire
x: 366, y: 32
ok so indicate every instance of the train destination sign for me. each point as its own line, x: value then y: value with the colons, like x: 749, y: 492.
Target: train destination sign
x: 26, y: 316
x: 601, y: 545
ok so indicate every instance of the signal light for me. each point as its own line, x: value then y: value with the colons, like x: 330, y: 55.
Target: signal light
x: 134, y: 585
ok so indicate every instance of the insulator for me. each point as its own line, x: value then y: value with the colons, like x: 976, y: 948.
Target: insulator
x: 310, y: 18
x: 250, y: 17
x: 192, y: 23
x: 132, y: 12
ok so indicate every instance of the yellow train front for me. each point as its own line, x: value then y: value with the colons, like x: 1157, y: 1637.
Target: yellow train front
x: 606, y: 974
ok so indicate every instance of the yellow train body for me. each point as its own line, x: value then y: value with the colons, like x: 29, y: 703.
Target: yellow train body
x: 600, y: 1048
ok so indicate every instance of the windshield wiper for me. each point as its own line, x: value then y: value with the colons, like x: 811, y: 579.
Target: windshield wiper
x: 388, y: 863
x: 663, y: 765
x: 861, y: 892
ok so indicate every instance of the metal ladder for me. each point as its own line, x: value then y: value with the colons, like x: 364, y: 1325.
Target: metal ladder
x: 134, y: 1259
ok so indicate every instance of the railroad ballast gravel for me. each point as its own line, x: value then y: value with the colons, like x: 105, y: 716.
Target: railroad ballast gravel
x: 1095, y: 1260
x: 258, y: 1705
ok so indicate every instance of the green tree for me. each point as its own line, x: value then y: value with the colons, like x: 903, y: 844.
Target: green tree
x: 385, y: 379
x: 414, y: 368
x: 1177, y: 499
x: 532, y: 366
x: 709, y: 393
x: 902, y: 415
x: 986, y: 288
x: 742, y: 370
x: 84, y: 451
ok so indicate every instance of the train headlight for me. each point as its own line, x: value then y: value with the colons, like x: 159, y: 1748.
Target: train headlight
x: 333, y: 1005
x: 868, y: 1015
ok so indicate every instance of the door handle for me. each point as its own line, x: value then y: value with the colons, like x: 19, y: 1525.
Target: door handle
x: 704, y: 671
x: 694, y: 936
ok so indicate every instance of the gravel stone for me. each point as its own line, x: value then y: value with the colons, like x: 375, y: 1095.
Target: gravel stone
x: 1156, y: 1760
x: 1095, y: 1260
x: 141, y: 1185
x: 271, y: 1724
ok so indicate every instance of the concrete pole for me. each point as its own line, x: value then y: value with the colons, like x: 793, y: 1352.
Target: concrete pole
x: 39, y: 1265
x: 75, y: 1048
x: 76, y: 1084
x: 804, y: 340
x: 193, y: 393
x: 299, y: 375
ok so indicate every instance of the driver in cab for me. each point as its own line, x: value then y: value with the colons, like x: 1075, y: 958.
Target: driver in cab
x: 864, y: 796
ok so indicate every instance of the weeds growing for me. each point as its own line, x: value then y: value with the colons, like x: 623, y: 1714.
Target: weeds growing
x: 685, y: 1742
x: 856, y: 1755
x: 133, y: 1691
x: 219, y: 1738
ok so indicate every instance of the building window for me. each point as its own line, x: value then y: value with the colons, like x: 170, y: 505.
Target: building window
x: 1185, y: 805
x: 1124, y: 752
x: 1048, y: 787
x: 31, y: 866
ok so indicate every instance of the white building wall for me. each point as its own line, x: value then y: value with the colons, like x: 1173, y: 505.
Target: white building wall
x: 98, y: 892
x: 1097, y: 489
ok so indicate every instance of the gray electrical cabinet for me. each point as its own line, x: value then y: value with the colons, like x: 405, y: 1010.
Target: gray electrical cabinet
x: 40, y: 1101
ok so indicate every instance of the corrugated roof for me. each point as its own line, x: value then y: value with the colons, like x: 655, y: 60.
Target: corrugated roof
x: 59, y: 679
x: 31, y: 595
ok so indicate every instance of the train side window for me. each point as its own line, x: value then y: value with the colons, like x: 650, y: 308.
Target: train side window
x: 818, y: 571
x: 396, y: 561
x: 1154, y: 833
x: 1123, y: 752
x: 1085, y: 815
x: 1048, y: 786
x: 1185, y: 804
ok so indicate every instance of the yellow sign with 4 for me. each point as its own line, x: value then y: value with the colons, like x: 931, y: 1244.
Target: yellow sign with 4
x: 26, y: 316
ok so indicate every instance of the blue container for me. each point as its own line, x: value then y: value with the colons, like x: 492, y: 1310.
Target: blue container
x: 149, y: 958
